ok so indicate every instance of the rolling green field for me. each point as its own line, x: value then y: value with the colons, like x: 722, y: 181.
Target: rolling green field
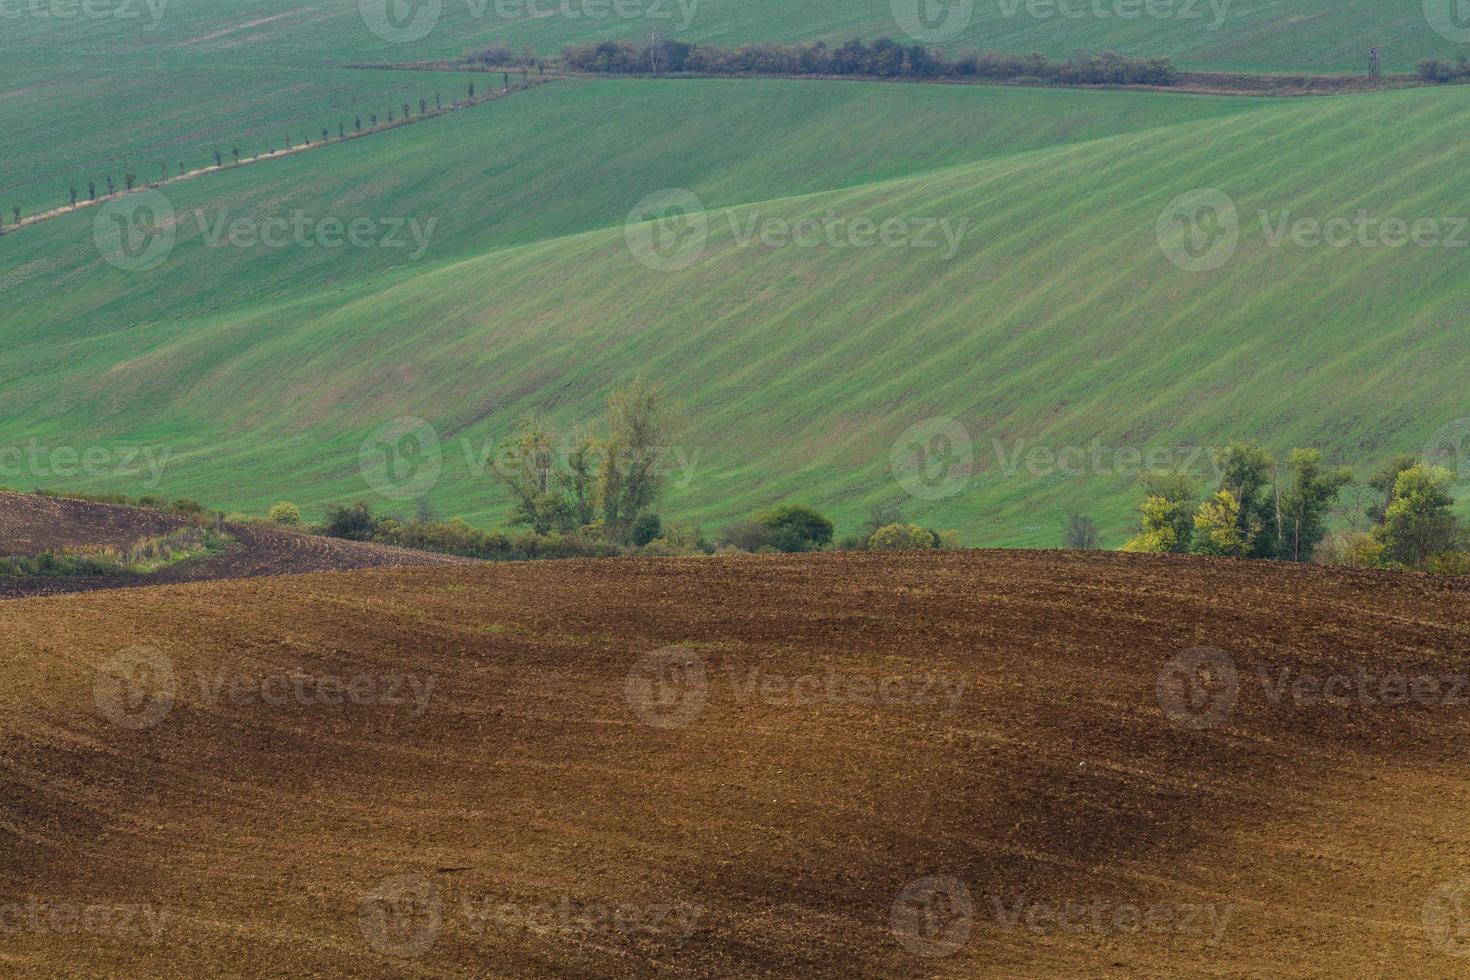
x: 150, y: 81
x: 164, y: 114
x: 1259, y: 35
x: 1058, y: 319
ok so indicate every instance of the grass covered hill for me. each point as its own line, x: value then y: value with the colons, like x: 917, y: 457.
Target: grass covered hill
x: 141, y: 82
x: 1058, y: 320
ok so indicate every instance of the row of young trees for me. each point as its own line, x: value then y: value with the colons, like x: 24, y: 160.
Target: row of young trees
x: 1266, y: 509
x: 884, y: 58
x: 595, y: 485
x: 131, y: 180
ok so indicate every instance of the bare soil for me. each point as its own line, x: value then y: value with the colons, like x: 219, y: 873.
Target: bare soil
x: 558, y: 807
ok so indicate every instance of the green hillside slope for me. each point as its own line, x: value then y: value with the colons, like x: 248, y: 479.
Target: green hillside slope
x: 1057, y: 321
x: 143, y: 82
x: 1272, y: 35
x: 560, y: 159
x: 86, y: 123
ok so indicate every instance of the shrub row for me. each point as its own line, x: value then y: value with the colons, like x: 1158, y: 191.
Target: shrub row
x: 144, y: 556
x: 1435, y: 70
x: 884, y: 58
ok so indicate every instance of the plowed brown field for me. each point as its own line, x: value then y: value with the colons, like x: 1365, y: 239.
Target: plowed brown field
x: 998, y: 764
x: 32, y: 524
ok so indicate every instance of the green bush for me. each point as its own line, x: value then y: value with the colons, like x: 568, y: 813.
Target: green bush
x: 457, y: 537
x: 355, y: 523
x: 284, y: 513
x: 1435, y: 70
x: 645, y: 528
x: 54, y: 564
x: 902, y: 537
x: 1419, y: 523
x: 796, y: 527
x: 679, y: 539
x: 747, y: 536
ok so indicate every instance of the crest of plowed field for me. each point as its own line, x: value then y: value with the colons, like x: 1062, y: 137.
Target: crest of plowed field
x: 31, y: 524
x: 964, y: 764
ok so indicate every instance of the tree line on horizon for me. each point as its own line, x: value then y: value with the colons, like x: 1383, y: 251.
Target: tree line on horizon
x: 884, y: 58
